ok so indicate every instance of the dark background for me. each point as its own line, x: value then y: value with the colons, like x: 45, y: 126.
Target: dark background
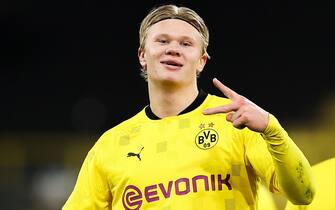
x: 69, y: 71
x: 69, y: 65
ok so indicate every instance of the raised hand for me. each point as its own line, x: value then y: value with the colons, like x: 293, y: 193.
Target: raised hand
x: 241, y: 112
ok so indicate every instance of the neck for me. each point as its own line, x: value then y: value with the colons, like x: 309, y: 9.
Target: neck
x: 170, y: 101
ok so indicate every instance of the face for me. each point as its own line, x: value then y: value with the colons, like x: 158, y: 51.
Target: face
x: 172, y: 52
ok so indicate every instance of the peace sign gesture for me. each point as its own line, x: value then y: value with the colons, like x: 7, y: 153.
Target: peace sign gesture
x: 241, y: 111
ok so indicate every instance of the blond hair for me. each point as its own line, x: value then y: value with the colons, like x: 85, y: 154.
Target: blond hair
x: 171, y: 11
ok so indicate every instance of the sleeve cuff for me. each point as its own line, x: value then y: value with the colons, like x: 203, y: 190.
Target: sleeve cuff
x: 273, y: 128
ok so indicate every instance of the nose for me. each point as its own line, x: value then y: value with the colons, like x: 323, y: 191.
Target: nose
x: 172, y: 50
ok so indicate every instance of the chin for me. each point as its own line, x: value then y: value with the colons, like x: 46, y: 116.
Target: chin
x: 168, y: 78
x: 171, y: 81
x: 168, y: 81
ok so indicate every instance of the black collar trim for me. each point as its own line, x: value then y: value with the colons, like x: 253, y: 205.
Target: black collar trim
x: 195, y: 104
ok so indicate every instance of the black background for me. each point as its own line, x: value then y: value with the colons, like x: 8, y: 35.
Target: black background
x: 69, y: 66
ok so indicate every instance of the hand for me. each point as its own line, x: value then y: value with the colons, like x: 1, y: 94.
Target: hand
x: 241, y: 111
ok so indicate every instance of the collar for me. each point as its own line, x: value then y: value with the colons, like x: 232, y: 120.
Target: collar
x: 196, y: 103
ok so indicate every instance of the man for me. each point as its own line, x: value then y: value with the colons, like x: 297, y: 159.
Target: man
x: 324, y: 179
x: 188, y: 149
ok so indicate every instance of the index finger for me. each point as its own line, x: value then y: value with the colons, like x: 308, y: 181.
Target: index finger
x: 224, y: 89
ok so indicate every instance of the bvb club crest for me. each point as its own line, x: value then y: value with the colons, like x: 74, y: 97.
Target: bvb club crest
x: 207, y: 137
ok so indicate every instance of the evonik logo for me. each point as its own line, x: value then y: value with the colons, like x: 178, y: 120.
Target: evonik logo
x: 133, y: 197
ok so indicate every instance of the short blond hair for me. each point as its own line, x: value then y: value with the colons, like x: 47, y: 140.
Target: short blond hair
x: 171, y: 11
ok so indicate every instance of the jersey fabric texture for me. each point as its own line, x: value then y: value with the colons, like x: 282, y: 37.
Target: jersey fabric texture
x: 265, y: 199
x: 324, y: 179
x: 190, y: 161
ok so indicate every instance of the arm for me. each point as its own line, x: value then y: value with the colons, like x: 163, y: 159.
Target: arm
x: 91, y: 189
x: 293, y: 174
x: 292, y: 170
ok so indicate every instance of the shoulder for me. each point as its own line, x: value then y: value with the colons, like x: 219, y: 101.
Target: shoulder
x: 123, y: 129
x: 109, y: 142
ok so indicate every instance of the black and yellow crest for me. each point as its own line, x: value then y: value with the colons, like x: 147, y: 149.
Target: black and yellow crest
x: 207, y: 137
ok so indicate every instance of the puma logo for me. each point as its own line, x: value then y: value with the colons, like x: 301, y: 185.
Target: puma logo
x: 131, y: 154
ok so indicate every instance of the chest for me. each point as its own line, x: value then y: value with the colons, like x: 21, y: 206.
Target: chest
x: 183, y: 148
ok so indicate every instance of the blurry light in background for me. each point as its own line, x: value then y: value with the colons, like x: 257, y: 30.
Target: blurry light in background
x: 51, y: 187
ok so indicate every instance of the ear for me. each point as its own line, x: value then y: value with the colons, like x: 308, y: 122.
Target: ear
x: 141, y: 57
x: 202, y: 63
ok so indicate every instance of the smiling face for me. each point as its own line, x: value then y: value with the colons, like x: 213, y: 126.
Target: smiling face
x: 172, y: 53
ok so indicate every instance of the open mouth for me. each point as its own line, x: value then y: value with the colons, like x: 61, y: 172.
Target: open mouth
x: 172, y: 63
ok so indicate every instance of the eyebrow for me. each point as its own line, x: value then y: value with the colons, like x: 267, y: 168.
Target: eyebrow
x: 181, y: 37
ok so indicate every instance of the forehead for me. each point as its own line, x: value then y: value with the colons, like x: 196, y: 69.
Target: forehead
x: 174, y: 27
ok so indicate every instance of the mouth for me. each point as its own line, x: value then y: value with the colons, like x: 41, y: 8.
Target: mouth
x: 172, y: 63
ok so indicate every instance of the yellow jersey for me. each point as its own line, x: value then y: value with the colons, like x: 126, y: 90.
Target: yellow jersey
x: 191, y: 161
x: 265, y: 199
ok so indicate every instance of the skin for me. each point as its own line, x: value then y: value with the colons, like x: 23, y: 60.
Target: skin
x: 172, y: 57
x: 172, y: 87
x: 241, y: 112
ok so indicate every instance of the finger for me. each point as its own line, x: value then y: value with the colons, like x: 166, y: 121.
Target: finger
x: 237, y: 114
x: 240, y: 122
x: 215, y: 110
x: 224, y: 89
x: 222, y: 109
x: 237, y: 119
x: 229, y: 116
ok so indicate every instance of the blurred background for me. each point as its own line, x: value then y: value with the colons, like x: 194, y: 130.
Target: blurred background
x: 69, y: 71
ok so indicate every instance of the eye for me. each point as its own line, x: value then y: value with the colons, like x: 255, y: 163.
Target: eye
x: 162, y: 41
x: 186, y: 44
